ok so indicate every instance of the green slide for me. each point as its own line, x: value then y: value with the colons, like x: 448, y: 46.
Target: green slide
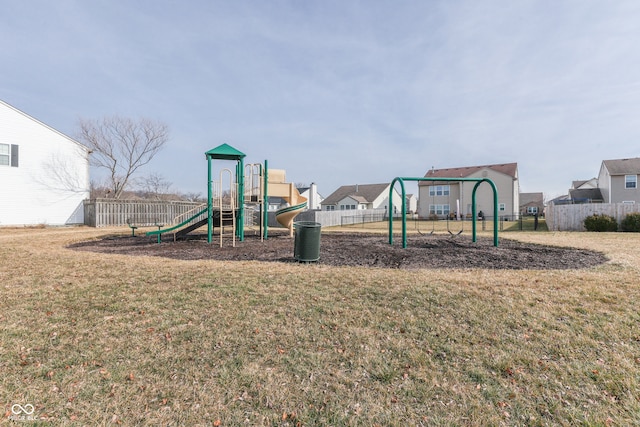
x: 186, y: 224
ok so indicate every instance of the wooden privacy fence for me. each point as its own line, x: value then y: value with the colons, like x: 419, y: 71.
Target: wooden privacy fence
x: 143, y: 213
x: 571, y: 217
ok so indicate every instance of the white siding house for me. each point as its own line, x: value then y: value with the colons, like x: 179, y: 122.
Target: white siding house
x: 44, y: 174
x: 412, y: 203
x: 314, y: 199
x: 363, y: 196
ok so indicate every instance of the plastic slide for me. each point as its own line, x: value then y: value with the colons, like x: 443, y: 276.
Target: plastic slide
x: 286, y: 215
x: 178, y: 227
x: 277, y: 187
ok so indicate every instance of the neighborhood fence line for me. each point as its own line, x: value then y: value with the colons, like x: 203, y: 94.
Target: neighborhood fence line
x: 147, y: 213
x: 143, y: 213
x: 571, y: 217
x: 335, y: 218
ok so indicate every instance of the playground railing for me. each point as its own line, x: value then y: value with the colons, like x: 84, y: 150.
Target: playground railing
x: 184, y: 216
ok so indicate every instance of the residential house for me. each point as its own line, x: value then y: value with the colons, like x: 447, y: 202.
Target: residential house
x: 454, y: 198
x: 585, y: 192
x: 585, y: 184
x: 361, y: 196
x: 310, y: 193
x: 411, y: 201
x: 314, y: 199
x: 44, y: 173
x: 581, y: 191
x: 274, y: 203
x: 618, y: 180
x: 531, y: 203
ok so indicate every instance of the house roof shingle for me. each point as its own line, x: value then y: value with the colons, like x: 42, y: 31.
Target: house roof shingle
x: 509, y: 169
x: 364, y: 193
x: 623, y: 166
x: 585, y: 194
x: 527, y: 198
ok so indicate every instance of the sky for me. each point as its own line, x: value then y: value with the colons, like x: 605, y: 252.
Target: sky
x: 340, y: 92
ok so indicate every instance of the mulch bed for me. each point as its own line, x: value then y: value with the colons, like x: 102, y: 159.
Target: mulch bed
x: 363, y: 250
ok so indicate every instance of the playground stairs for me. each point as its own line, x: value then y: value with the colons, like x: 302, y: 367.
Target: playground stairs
x: 228, y: 224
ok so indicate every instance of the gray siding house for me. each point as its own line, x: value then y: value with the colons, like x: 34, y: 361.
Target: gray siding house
x: 618, y: 180
x: 444, y: 199
x: 531, y: 203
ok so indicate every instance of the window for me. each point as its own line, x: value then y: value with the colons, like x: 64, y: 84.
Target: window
x: 631, y: 181
x: 330, y: 208
x: 502, y: 207
x: 439, y: 190
x: 440, y: 210
x: 9, y: 155
x: 5, y: 155
x: 532, y: 210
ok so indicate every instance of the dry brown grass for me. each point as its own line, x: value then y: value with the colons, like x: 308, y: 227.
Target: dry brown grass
x: 93, y: 339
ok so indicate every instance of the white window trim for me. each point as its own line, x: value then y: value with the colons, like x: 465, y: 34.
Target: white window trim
x: 8, y: 155
x: 630, y: 179
x: 439, y: 209
x: 439, y: 190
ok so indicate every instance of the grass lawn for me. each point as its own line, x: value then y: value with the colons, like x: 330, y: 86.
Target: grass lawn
x: 95, y: 339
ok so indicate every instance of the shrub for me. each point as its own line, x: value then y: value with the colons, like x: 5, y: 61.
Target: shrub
x: 600, y: 223
x: 631, y: 222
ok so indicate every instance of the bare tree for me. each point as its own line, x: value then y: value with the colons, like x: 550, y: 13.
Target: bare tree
x: 193, y: 197
x: 122, y: 145
x: 155, y: 186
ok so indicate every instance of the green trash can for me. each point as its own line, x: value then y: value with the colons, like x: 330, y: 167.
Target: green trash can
x: 306, y: 245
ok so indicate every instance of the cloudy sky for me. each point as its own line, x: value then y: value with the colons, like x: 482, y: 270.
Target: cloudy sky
x: 338, y: 91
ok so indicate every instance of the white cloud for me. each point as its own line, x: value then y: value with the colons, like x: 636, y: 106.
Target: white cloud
x: 342, y: 92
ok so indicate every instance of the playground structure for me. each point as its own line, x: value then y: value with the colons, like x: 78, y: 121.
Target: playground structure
x: 474, y: 214
x: 235, y: 194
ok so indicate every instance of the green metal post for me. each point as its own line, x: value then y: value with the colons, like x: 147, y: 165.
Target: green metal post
x: 495, y: 209
x: 390, y: 217
x: 473, y: 211
x: 260, y: 172
x: 403, y: 211
x: 265, y: 201
x: 209, y: 202
x: 240, y: 175
x: 495, y: 212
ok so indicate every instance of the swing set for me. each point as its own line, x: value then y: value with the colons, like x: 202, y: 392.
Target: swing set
x: 433, y: 216
x: 478, y: 181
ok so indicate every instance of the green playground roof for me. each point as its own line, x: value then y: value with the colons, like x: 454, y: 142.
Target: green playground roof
x: 225, y: 152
